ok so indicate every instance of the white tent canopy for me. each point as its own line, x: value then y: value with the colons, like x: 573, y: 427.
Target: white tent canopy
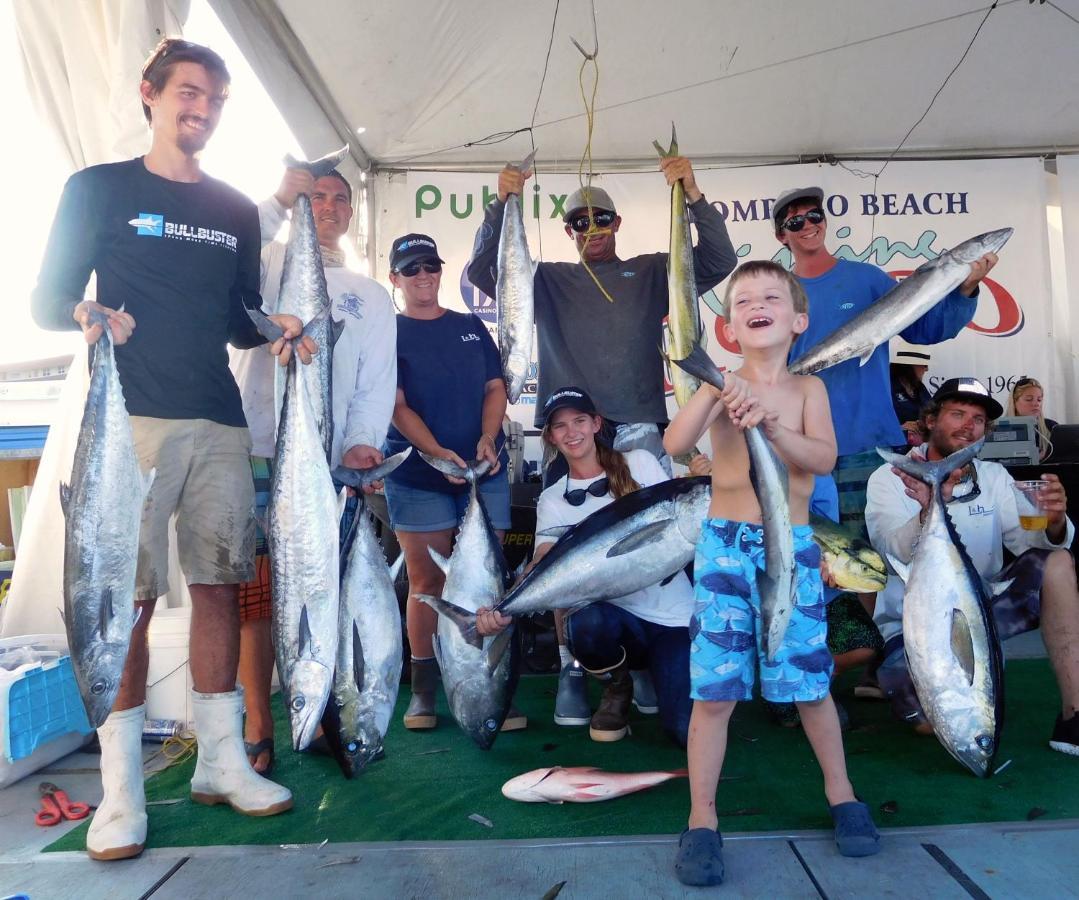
x: 745, y: 80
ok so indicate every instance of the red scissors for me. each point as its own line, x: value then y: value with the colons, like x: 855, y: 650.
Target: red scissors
x: 56, y: 806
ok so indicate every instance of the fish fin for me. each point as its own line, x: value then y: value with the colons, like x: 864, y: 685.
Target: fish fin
x: 765, y: 588
x: 359, y: 478
x: 699, y: 364
x: 997, y: 584
x: 669, y: 578
x: 63, y: 618
x: 525, y: 164
x: 519, y: 571
x: 497, y: 650
x: 318, y: 167
x: 932, y: 473
x: 136, y: 615
x: 462, y: 618
x: 357, y: 656
x: 310, y: 324
x: 148, y: 481
x: 901, y: 569
x: 65, y: 496
x: 305, y: 632
x: 863, y: 358
x: 265, y: 325
x: 439, y: 560
x: 446, y: 467
x: 108, y: 611
x: 963, y: 644
x: 395, y: 567
x: 555, y: 531
x: 640, y: 538
x: 337, y: 328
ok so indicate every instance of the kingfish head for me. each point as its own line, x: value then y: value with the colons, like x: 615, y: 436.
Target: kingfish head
x: 100, y: 679
x: 977, y: 247
x: 307, y: 691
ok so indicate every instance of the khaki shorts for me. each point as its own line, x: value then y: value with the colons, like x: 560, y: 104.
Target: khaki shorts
x: 204, y: 478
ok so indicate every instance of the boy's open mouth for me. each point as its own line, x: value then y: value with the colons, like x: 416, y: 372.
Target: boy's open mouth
x: 759, y: 322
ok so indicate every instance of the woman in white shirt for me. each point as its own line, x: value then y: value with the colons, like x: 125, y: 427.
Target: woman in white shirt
x: 646, y: 630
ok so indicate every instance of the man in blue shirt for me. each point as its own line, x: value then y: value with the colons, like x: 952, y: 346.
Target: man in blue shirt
x: 839, y: 290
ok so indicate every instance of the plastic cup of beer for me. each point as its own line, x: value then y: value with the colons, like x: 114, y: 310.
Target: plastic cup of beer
x: 1032, y: 514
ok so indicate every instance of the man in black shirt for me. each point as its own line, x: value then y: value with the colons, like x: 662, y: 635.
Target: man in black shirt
x: 177, y: 254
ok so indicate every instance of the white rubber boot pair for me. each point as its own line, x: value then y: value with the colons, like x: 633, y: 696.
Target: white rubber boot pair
x: 223, y: 773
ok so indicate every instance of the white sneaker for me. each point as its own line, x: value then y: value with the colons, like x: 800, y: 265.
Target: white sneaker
x: 118, y: 829
x: 223, y: 773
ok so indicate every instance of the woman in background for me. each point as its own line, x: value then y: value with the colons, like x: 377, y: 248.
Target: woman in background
x: 1026, y: 400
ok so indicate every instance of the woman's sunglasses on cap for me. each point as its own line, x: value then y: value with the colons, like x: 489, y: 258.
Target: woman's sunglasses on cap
x: 598, y: 488
x: 411, y: 270
x: 797, y: 223
x: 601, y: 217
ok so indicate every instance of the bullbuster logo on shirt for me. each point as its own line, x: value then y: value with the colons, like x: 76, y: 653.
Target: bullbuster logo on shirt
x: 351, y: 304
x: 154, y: 225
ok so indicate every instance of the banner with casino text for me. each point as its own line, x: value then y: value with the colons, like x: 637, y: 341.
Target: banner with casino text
x: 913, y: 212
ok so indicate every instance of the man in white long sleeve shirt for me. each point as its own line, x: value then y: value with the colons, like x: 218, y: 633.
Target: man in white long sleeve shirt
x: 982, y: 505
x: 364, y: 389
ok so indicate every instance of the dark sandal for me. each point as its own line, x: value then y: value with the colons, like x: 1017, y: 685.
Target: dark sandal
x: 254, y: 751
x: 855, y: 833
x: 700, y: 857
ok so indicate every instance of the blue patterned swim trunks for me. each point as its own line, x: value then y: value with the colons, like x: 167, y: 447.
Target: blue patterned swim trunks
x: 725, y: 631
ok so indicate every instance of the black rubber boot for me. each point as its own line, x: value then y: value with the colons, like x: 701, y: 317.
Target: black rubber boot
x: 420, y: 715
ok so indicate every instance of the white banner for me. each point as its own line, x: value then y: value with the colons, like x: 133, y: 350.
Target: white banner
x: 917, y: 210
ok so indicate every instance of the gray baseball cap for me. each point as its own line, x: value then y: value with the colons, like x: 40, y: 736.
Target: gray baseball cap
x: 588, y: 197
x: 793, y: 195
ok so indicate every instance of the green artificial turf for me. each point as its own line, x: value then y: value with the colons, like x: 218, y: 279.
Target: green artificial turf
x: 431, y: 782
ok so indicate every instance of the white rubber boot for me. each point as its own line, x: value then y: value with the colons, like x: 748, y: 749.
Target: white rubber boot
x: 118, y: 829
x: 223, y: 773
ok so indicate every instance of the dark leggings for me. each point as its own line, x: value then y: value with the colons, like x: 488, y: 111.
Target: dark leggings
x: 596, y: 636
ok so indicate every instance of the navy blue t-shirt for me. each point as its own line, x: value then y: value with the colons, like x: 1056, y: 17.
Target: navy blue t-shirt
x: 443, y: 366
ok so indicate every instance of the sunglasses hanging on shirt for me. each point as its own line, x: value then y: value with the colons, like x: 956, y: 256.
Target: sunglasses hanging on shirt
x: 797, y: 223
x: 576, y: 497
x: 602, y: 219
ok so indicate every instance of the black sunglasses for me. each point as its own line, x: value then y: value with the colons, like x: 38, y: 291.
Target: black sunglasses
x: 797, y: 223
x: 430, y: 266
x: 601, y: 217
x: 598, y: 488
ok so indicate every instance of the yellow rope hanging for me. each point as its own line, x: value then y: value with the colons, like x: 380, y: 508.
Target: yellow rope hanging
x: 590, y: 117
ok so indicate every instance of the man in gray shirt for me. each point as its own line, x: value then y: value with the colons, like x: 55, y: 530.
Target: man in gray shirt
x: 607, y: 343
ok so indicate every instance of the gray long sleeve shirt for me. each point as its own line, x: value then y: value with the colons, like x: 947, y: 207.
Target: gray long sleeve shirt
x: 609, y: 349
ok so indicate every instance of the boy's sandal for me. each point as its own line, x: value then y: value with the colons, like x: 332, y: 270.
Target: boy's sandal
x: 855, y: 833
x: 254, y: 751
x: 700, y: 857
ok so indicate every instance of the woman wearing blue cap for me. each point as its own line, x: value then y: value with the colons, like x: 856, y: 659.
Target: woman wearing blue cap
x: 648, y: 630
x: 450, y: 402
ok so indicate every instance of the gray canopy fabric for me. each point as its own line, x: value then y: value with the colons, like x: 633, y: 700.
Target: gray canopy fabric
x: 747, y: 81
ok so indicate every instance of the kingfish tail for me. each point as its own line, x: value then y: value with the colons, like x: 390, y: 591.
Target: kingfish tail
x: 932, y: 473
x: 699, y: 364
x: 361, y: 478
x: 318, y: 167
x: 265, y: 325
x: 475, y: 469
x: 525, y: 164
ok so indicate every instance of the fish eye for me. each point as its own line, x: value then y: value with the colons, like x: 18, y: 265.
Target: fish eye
x: 98, y: 687
x: 491, y: 725
x: 984, y: 741
x: 298, y: 703
x: 352, y: 747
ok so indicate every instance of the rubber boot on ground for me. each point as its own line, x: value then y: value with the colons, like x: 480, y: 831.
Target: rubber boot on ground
x: 223, y: 773
x: 644, y: 692
x: 610, y: 721
x: 118, y: 829
x: 571, y: 705
x: 420, y: 715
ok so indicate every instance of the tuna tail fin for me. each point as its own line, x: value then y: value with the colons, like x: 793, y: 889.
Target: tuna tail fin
x: 699, y: 364
x: 462, y: 618
x: 359, y: 478
x: 932, y: 473
x: 321, y: 166
x: 266, y: 327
